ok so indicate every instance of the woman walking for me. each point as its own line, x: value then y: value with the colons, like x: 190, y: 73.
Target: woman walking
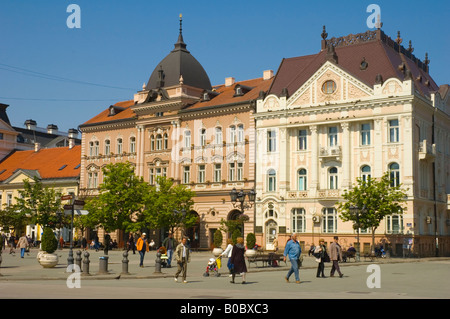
x: 320, y: 252
x: 238, y: 260
x: 227, y: 253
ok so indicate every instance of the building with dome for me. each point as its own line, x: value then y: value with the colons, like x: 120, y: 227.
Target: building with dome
x: 179, y: 126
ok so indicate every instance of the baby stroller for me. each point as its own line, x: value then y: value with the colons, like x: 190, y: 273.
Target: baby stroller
x: 213, y: 267
x: 163, y: 257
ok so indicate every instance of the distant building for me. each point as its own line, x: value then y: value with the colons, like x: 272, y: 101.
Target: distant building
x: 57, y: 168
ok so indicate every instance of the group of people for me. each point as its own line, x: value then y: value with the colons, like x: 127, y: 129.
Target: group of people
x: 334, y: 255
x: 23, y: 243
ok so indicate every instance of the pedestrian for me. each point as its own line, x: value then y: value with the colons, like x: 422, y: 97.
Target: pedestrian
x: 293, y: 250
x: 12, y: 244
x: 169, y: 245
x: 237, y: 259
x: 106, y: 242
x: 131, y: 245
x: 152, y: 244
x: 183, y: 257
x: 142, y: 247
x: 335, y: 256
x: 83, y: 243
x: 320, y: 252
x: 227, y: 253
x: 22, y: 245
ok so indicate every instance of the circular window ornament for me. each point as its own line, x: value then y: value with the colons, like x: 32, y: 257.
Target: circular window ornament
x: 329, y: 87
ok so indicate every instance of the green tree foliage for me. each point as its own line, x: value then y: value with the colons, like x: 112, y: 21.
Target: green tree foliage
x: 120, y: 201
x: 218, y: 238
x: 49, y: 243
x: 169, y: 206
x: 251, y: 240
x: 12, y: 219
x: 380, y: 199
x: 39, y: 202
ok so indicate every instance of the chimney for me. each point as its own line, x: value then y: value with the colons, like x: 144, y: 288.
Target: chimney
x: 267, y: 75
x: 30, y: 124
x: 52, y: 128
x: 37, y: 147
x: 73, y: 133
x: 229, y: 81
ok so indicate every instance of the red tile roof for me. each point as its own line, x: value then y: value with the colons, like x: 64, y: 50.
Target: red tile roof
x: 226, y: 93
x: 104, y: 116
x: 48, y: 162
x: 381, y: 57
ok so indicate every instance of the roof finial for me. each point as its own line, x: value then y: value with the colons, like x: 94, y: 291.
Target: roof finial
x: 399, y: 40
x: 180, y: 43
x: 410, y: 48
x: 426, y: 61
x: 324, y: 33
x: 181, y: 23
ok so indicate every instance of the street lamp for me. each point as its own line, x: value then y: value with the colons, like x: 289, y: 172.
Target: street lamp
x: 238, y: 200
x: 354, y: 210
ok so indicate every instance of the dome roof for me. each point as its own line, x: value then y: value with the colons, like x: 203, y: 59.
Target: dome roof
x: 179, y: 62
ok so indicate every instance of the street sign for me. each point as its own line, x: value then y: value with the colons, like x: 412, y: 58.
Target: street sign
x: 68, y: 207
x: 76, y: 212
x: 66, y: 197
x: 79, y: 202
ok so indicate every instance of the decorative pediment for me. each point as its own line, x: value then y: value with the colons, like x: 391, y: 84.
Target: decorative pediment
x: 329, y: 84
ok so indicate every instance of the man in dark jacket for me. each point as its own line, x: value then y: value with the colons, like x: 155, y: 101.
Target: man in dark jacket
x: 169, y: 244
x: 335, y: 257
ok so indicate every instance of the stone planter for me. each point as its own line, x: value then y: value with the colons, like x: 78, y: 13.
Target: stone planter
x: 217, y: 252
x: 250, y: 252
x: 47, y: 260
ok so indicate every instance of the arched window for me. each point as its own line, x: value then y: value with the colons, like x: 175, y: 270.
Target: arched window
x: 394, y: 174
x: 152, y: 142
x: 218, y: 137
x: 166, y: 141
x: 302, y: 184
x: 107, y: 147
x: 158, y: 142
x: 119, y: 146
x: 394, y: 224
x: 132, y: 144
x: 333, y: 178
x: 271, y: 180
x: 365, y: 173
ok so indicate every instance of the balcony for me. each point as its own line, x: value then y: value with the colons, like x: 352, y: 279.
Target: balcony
x: 427, y: 151
x: 330, y: 152
x: 328, y: 193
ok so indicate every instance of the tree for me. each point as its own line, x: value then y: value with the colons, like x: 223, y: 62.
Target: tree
x: 380, y: 199
x: 13, y: 219
x: 120, y: 200
x: 169, y: 206
x: 39, y: 202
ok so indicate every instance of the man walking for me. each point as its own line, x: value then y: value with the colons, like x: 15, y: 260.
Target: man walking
x: 22, y: 244
x: 142, y: 247
x: 182, y: 256
x: 169, y: 244
x: 335, y: 257
x: 293, y: 250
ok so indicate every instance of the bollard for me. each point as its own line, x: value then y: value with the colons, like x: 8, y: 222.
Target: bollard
x: 78, y: 259
x: 86, y: 262
x: 103, y: 265
x: 158, y: 262
x: 125, y: 263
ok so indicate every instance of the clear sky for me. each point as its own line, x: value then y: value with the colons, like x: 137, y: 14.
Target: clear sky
x: 59, y: 75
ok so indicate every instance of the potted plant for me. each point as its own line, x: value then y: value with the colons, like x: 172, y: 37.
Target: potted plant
x: 251, y: 241
x: 218, y: 238
x: 49, y: 244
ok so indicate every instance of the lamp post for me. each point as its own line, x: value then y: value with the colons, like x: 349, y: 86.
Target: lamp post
x: 354, y: 210
x: 238, y: 201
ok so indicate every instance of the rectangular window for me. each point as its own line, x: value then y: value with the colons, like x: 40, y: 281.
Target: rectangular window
x: 132, y: 145
x: 8, y: 199
x: 329, y: 224
x: 332, y: 136
x: 217, y: 172
x: 394, y: 131
x: 186, y: 174
x: 187, y: 139
x: 302, y: 140
x: 152, y: 176
x: 219, y: 138
x: 201, y: 174
x: 365, y: 134
x: 240, y: 171
x: 241, y: 133
x: 231, y: 172
x: 271, y: 141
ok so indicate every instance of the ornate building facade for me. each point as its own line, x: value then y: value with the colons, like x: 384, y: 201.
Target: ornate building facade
x: 364, y: 105
x: 181, y: 127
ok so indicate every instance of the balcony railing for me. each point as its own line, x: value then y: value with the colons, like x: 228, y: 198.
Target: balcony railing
x: 427, y: 151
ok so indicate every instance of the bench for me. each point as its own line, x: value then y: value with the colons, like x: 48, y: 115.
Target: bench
x: 266, y: 258
x: 370, y: 256
x: 347, y: 255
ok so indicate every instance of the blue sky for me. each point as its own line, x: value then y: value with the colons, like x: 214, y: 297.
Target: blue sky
x: 57, y: 75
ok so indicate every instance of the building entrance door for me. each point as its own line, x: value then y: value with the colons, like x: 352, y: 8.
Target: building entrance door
x: 271, y: 233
